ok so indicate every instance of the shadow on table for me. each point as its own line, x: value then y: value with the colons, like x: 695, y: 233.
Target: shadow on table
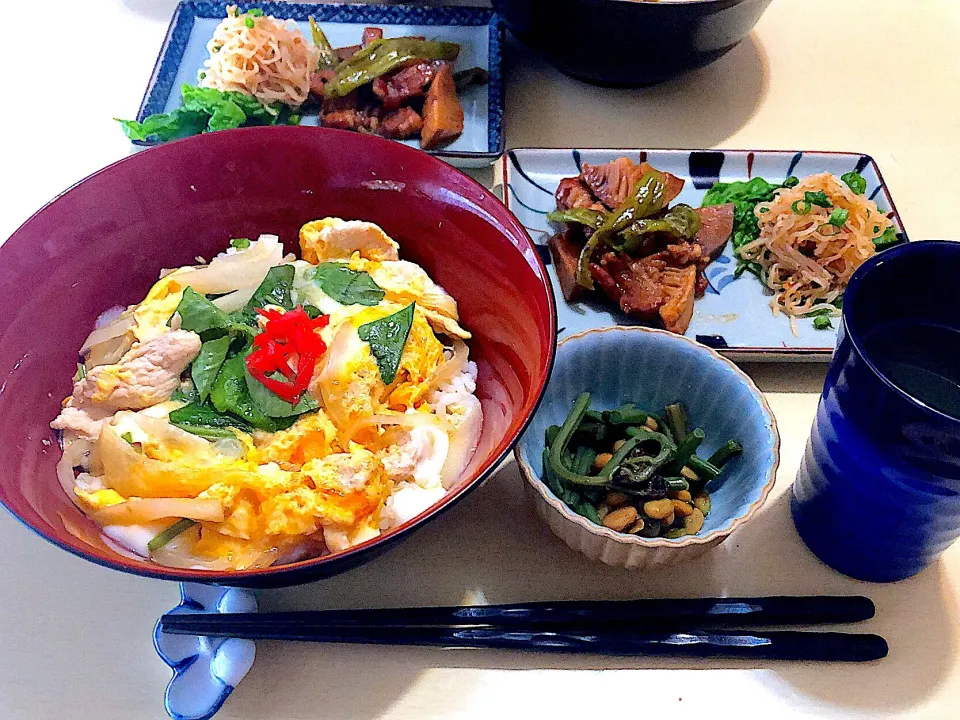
x: 492, y: 548
x: 698, y: 110
x: 153, y: 9
x: 787, y: 377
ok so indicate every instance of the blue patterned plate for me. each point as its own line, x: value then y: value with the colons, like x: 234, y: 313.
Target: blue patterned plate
x: 478, y: 31
x: 734, y: 315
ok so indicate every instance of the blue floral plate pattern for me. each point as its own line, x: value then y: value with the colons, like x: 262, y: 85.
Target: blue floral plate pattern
x: 478, y: 31
x: 734, y: 316
x: 205, y: 670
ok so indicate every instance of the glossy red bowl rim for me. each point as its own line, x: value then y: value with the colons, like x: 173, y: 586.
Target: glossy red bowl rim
x: 144, y: 567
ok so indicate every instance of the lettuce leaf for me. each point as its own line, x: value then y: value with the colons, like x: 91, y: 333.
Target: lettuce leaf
x: 203, y: 110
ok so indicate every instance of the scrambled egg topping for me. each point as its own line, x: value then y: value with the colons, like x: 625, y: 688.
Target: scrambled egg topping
x: 311, y: 482
x: 152, y: 314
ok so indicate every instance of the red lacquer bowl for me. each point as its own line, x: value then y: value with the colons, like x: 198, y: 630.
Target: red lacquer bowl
x: 104, y: 241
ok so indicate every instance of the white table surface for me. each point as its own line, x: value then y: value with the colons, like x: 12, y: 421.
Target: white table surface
x: 878, y: 76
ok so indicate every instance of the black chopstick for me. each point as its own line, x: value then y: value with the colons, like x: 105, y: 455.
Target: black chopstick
x: 652, y: 614
x: 782, y: 645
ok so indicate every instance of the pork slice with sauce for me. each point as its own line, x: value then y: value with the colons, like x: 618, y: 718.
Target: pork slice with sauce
x: 613, y: 182
x: 716, y: 226
x: 401, y: 124
x: 404, y: 85
x: 574, y: 193
x: 566, y: 255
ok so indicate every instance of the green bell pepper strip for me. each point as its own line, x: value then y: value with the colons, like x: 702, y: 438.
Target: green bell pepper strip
x: 383, y: 56
x: 328, y: 56
x: 581, y: 216
x: 647, y: 199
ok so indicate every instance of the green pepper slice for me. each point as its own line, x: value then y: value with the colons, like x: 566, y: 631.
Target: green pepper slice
x: 383, y: 56
x: 647, y: 199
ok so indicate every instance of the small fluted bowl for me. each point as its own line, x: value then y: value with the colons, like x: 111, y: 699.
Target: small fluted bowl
x: 654, y: 368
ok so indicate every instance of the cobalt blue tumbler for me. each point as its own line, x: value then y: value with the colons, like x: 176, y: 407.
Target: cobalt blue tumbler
x: 878, y: 492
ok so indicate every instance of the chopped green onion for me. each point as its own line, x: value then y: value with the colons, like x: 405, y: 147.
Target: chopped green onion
x: 791, y: 181
x: 217, y: 48
x: 202, y: 75
x: 255, y: 12
x: 798, y: 204
x: 165, y: 536
x: 81, y: 372
x: 294, y: 119
x: 248, y: 22
x: 240, y: 243
x: 888, y: 239
x: 128, y: 437
x: 822, y: 322
x: 818, y: 198
x: 855, y: 182
x: 838, y: 217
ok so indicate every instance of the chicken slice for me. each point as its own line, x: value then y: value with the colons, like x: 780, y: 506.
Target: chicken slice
x: 145, y: 376
x: 336, y: 239
x: 85, y: 422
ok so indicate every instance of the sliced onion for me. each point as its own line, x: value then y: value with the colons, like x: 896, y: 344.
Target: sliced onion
x: 73, y: 454
x: 141, y: 510
x: 463, y: 442
x: 438, y: 299
x: 452, y: 367
x: 115, y: 329
x: 407, y: 420
x: 109, y: 352
x: 228, y: 273
x: 229, y: 447
x: 236, y: 300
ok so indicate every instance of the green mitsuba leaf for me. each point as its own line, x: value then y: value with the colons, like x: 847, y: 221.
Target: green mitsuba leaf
x: 346, y: 286
x: 230, y: 395
x: 204, y: 370
x: 272, y: 405
x: 387, y: 337
x: 199, y: 315
x: 206, y: 422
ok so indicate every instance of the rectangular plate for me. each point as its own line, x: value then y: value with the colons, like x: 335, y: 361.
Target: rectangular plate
x: 733, y: 316
x: 478, y: 31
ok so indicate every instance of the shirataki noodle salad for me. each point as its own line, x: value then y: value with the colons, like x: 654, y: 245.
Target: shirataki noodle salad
x: 263, y: 409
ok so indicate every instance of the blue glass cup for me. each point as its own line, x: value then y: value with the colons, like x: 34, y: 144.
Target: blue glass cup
x: 878, y: 492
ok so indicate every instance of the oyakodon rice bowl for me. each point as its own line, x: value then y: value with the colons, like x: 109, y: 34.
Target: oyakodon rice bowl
x: 262, y: 409
x: 103, y: 243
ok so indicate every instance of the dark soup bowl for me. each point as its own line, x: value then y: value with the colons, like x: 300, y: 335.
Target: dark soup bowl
x: 630, y: 43
x: 104, y: 241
